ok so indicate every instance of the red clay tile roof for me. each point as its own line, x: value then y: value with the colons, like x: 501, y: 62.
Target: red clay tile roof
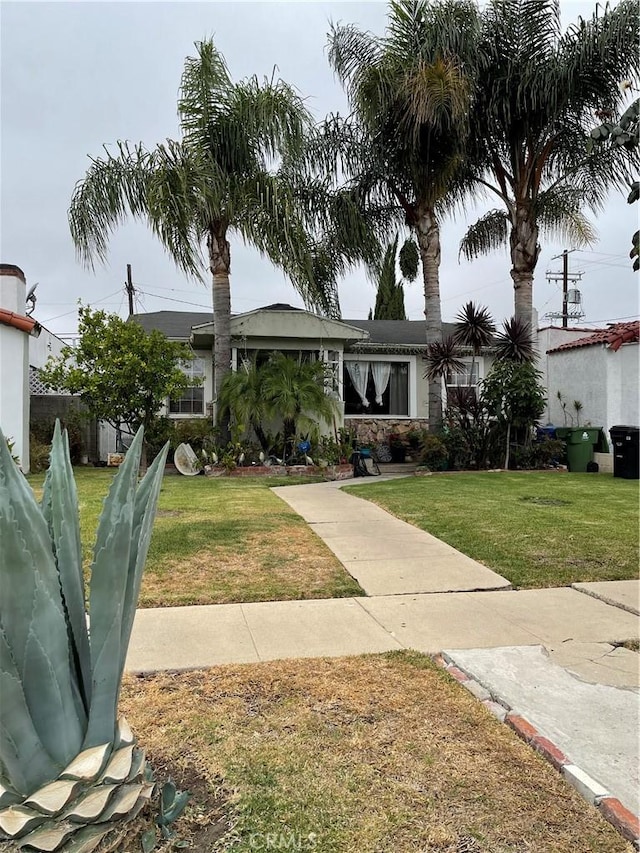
x: 613, y: 337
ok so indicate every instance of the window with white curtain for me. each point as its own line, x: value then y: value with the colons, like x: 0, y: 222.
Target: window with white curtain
x: 382, y: 390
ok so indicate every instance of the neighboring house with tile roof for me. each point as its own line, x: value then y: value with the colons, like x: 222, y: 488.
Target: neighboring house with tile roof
x: 377, y: 367
x: 601, y: 370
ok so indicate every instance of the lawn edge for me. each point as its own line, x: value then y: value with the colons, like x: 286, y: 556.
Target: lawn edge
x: 623, y: 820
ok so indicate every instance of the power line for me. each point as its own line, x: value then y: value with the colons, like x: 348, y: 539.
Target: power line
x: 612, y: 319
x: 169, y: 299
x: 94, y: 302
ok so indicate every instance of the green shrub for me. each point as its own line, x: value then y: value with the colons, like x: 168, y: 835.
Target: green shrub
x: 198, y: 432
x: 38, y: 455
x: 433, y: 452
x: 158, y: 433
x: 544, y: 453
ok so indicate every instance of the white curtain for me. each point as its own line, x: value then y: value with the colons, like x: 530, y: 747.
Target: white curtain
x: 359, y: 373
x: 381, y: 371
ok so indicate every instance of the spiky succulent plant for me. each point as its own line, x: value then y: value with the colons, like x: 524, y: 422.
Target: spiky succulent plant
x: 71, y: 776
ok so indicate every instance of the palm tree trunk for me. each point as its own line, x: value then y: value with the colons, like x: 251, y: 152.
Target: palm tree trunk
x: 428, y: 235
x: 524, y: 256
x: 220, y: 265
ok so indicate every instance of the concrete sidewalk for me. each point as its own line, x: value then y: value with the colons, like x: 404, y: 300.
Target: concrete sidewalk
x: 550, y: 654
x: 385, y: 555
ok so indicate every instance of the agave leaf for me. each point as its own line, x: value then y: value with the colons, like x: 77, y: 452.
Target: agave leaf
x: 25, y: 761
x: 144, y: 514
x: 32, y: 618
x: 60, y: 509
x: 148, y: 840
x: 108, y: 586
x: 168, y: 795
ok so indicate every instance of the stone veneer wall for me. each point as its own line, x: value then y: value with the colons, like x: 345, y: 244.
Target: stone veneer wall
x: 377, y: 431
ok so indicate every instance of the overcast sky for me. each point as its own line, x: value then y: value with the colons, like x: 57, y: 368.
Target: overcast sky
x: 77, y: 75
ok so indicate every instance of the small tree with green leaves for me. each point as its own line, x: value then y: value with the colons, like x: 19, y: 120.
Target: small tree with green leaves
x: 512, y: 394
x: 122, y: 374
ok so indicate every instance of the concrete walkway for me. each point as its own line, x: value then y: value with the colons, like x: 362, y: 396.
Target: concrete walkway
x: 549, y: 654
x: 385, y: 555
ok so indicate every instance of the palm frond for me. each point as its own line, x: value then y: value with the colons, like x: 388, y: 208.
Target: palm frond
x: 474, y: 327
x: 443, y: 357
x: 435, y: 95
x: 597, y: 54
x: 514, y: 342
x: 204, y: 86
x: 558, y: 213
x: 490, y: 232
x: 351, y: 52
x: 271, y: 113
x: 114, y: 187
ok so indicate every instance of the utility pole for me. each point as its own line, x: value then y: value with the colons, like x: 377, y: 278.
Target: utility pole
x: 565, y: 287
x: 569, y: 297
x: 130, y: 289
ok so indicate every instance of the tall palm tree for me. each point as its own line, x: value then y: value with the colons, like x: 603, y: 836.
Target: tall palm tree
x: 538, y: 89
x: 218, y: 180
x: 410, y: 96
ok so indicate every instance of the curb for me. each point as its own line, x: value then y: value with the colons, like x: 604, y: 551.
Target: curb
x: 627, y: 824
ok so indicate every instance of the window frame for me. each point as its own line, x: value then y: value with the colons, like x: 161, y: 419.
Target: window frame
x: 410, y: 361
x: 188, y: 368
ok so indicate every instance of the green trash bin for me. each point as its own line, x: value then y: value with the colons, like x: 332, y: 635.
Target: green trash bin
x: 580, y: 442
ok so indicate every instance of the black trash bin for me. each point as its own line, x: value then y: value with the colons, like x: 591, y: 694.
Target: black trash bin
x: 626, y: 451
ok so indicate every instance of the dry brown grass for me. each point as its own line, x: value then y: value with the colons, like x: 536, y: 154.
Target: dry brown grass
x: 375, y: 754
x: 287, y: 562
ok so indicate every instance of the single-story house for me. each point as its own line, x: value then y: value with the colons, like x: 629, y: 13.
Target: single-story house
x: 602, y: 371
x: 377, y: 367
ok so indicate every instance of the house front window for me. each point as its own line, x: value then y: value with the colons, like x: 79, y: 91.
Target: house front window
x: 376, y: 388
x: 192, y: 400
x: 468, y: 379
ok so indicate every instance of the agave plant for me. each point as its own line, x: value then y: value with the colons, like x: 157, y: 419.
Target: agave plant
x: 71, y: 776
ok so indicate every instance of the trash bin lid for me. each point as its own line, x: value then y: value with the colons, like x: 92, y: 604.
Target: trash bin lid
x: 624, y: 428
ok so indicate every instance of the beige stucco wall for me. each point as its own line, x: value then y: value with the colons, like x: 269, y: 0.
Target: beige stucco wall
x: 274, y: 325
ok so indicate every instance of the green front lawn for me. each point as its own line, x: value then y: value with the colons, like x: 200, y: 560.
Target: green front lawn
x: 537, y: 529
x: 221, y: 540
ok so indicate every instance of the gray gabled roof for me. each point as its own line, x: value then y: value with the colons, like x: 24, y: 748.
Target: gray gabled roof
x: 173, y: 324
x: 410, y: 333
x: 399, y: 333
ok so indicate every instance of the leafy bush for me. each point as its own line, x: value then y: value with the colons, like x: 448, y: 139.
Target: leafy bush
x: 198, y: 432
x: 433, y: 452
x: 38, y: 455
x: 468, y: 430
x: 547, y: 452
x: 157, y: 434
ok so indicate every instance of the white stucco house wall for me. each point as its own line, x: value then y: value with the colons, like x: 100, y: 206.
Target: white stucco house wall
x: 25, y: 346
x: 547, y: 339
x: 377, y: 367
x: 16, y: 330
x: 602, y: 371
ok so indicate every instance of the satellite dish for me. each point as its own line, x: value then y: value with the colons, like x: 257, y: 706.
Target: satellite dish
x: 186, y: 460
